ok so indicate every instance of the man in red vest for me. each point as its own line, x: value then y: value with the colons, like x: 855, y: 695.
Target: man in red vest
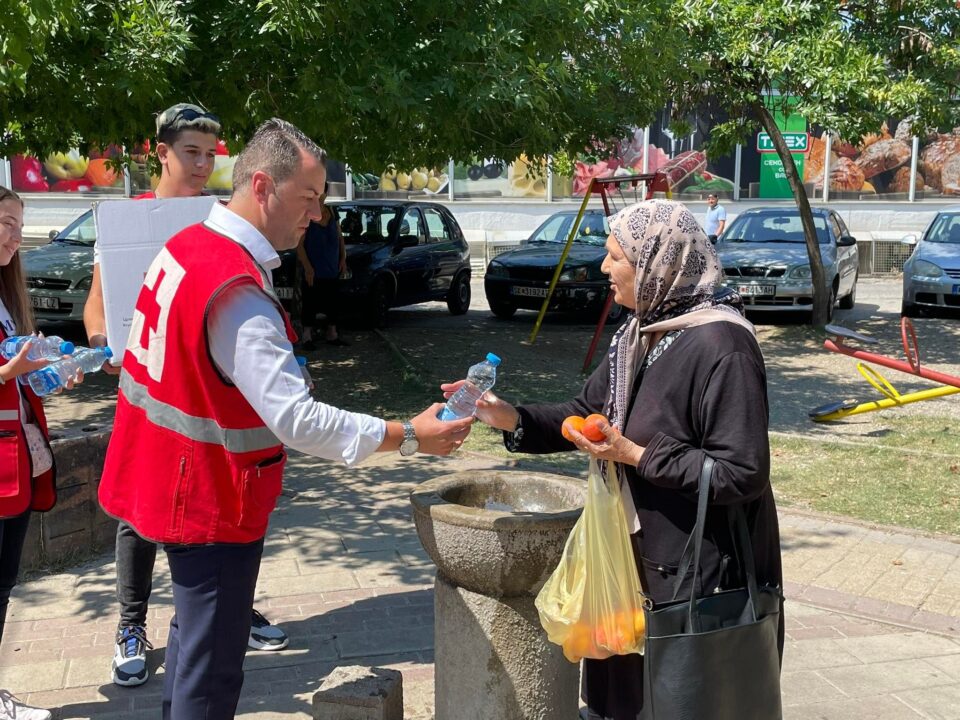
x: 210, y: 393
x: 187, y: 141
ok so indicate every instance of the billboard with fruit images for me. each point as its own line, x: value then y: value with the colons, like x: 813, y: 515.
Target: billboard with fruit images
x: 395, y: 181
x: 66, y: 172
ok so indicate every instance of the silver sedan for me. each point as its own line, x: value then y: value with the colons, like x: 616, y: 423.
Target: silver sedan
x: 931, y: 276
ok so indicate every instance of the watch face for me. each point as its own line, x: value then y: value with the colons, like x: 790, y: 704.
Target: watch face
x: 409, y: 446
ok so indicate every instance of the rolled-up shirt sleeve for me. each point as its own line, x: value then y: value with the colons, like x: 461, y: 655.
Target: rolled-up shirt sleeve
x: 249, y: 344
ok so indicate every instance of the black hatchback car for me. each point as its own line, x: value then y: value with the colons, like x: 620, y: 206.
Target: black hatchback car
x: 519, y: 279
x: 402, y: 253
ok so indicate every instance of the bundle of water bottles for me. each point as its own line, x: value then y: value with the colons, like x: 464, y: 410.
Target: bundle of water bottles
x: 66, y: 360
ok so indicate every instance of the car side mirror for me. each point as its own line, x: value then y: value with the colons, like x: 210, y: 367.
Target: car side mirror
x: 406, y: 241
x: 909, y: 240
x: 53, y: 234
x: 846, y: 241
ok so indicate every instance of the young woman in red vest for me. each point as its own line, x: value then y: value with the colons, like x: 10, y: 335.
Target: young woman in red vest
x: 27, y: 475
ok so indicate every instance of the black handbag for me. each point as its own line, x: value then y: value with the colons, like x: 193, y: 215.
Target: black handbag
x: 715, y: 657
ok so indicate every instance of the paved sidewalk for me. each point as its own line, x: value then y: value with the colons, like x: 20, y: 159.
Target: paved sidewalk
x: 873, y: 616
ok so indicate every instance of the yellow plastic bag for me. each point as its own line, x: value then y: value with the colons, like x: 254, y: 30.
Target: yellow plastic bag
x: 591, y: 605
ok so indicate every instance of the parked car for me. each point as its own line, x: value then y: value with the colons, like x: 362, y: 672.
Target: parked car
x: 931, y: 275
x: 519, y: 279
x: 59, y: 274
x: 764, y: 258
x: 401, y: 253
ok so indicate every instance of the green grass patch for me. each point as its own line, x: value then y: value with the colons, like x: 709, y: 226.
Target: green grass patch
x: 909, y: 475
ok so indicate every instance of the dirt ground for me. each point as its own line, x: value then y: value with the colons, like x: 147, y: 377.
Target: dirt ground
x: 368, y: 376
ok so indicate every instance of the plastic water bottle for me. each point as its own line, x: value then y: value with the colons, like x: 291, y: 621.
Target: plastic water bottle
x: 305, y: 371
x: 43, y: 348
x: 55, y: 375
x: 480, y: 378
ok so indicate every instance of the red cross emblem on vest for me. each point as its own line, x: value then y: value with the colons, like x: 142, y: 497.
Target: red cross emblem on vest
x: 148, y: 331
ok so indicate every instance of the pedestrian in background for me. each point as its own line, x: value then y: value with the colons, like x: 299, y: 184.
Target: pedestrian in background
x: 196, y: 457
x: 716, y: 219
x: 27, y: 471
x: 186, y: 147
x: 323, y: 256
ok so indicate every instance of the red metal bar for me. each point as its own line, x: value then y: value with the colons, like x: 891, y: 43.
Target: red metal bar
x: 901, y: 365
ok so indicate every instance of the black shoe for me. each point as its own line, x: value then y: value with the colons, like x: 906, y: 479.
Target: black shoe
x: 340, y: 342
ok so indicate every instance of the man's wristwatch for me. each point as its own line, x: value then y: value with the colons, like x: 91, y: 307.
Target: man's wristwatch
x: 410, y: 444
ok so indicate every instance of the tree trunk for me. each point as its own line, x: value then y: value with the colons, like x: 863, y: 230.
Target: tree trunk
x: 822, y: 297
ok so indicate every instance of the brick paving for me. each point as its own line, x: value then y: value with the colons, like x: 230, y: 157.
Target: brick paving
x: 873, y: 614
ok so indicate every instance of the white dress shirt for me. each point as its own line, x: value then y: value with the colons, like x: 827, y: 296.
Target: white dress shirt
x: 248, y: 342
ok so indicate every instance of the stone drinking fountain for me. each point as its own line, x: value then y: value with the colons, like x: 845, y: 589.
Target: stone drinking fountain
x: 495, y: 537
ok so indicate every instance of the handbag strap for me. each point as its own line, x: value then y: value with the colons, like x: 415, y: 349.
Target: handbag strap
x: 736, y: 517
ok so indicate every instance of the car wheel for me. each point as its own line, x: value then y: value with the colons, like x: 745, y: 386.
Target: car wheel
x: 504, y: 309
x: 378, y: 304
x: 458, y: 297
x: 848, y: 302
x: 832, y: 302
x: 909, y: 310
x: 615, y: 314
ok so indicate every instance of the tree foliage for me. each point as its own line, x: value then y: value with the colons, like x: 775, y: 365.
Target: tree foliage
x: 403, y: 82
x: 847, y: 66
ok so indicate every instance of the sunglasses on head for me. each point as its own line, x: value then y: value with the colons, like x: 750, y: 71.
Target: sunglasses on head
x: 189, y: 115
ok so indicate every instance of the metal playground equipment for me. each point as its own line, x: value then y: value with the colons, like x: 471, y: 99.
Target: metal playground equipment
x: 949, y: 384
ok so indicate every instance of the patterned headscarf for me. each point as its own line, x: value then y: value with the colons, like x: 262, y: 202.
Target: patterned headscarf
x: 677, y: 273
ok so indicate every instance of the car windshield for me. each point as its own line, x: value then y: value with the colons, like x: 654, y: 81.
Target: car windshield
x: 593, y: 230
x: 945, y: 229
x: 362, y: 224
x: 80, y: 232
x: 768, y: 228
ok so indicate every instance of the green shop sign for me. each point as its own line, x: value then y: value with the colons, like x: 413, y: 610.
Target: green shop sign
x: 796, y: 142
x: 773, y: 179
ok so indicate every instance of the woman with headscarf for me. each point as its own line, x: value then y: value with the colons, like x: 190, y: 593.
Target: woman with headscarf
x: 684, y: 379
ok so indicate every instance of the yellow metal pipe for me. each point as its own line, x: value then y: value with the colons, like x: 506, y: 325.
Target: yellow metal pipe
x: 563, y: 259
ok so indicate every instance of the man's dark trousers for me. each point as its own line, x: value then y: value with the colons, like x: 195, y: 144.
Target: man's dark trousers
x: 213, y: 588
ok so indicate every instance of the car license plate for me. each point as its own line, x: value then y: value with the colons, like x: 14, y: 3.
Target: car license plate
x: 284, y: 293
x: 529, y: 291
x: 757, y: 289
x: 45, y: 303
x: 956, y: 290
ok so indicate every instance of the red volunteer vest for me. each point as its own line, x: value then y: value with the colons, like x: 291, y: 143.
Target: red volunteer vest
x: 189, y: 461
x: 19, y: 490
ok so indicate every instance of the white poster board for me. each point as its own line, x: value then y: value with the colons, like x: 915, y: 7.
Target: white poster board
x: 130, y: 233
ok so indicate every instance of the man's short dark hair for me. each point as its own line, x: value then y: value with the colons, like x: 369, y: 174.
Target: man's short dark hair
x: 181, y: 117
x: 274, y: 149
x: 711, y: 195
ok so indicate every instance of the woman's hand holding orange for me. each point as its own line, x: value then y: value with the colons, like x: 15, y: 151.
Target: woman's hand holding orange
x: 614, y: 446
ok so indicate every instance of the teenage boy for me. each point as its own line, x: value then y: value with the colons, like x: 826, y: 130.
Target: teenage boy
x: 186, y: 147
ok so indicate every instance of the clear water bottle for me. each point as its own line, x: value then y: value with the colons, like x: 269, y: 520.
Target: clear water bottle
x: 305, y: 371
x: 480, y: 378
x: 55, y: 375
x: 43, y: 348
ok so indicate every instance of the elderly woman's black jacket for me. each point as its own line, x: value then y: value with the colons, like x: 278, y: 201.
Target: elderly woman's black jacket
x: 705, y: 394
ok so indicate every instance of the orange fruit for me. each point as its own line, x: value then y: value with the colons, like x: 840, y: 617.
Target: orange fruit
x: 575, y: 422
x: 592, y: 425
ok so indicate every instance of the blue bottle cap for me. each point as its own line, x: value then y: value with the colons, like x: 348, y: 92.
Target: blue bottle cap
x: 301, y: 360
x: 107, y: 351
x: 493, y: 359
x: 67, y: 348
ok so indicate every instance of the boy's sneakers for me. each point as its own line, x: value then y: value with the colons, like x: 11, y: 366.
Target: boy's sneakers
x: 264, y: 636
x: 13, y: 709
x: 130, y: 657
